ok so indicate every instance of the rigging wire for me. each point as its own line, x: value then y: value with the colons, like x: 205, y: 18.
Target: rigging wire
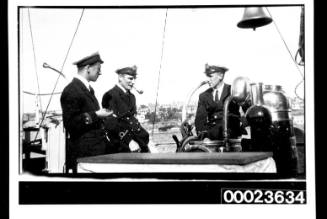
x: 300, y: 51
x: 43, y: 94
x: 294, y: 61
x: 53, y: 91
x: 162, y: 50
x: 34, y: 55
x: 296, y: 87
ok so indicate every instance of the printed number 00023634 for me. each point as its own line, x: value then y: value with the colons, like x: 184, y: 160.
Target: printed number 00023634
x: 259, y: 196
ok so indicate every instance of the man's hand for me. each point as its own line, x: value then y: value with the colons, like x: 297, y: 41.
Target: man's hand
x: 244, y: 121
x: 102, y: 113
x: 134, y: 146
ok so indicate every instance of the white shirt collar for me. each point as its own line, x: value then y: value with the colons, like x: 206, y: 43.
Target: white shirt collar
x: 83, y: 80
x: 121, y: 87
x: 220, y: 90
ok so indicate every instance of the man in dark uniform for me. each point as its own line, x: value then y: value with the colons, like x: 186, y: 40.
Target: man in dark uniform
x: 82, y: 115
x: 125, y: 129
x: 209, y: 118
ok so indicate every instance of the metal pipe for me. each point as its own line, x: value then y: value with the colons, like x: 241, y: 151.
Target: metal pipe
x: 239, y: 93
x: 226, y: 132
x: 45, y: 65
x: 189, y: 99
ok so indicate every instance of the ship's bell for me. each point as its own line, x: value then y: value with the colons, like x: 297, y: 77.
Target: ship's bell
x: 254, y: 17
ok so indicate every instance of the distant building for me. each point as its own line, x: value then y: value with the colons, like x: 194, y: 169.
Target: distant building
x: 141, y: 118
x: 298, y: 120
x: 54, y: 116
x: 192, y: 109
x: 141, y: 112
x: 297, y: 103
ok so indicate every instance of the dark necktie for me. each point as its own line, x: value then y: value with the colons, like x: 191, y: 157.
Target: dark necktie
x: 216, y: 96
x: 91, y: 90
x: 128, y: 93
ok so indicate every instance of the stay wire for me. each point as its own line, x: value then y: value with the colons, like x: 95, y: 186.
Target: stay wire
x: 34, y: 55
x: 281, y: 36
x: 162, y: 50
x: 62, y: 67
x: 294, y: 61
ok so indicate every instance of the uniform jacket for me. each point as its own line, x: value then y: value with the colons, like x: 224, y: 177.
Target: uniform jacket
x: 120, y: 102
x: 125, y: 126
x: 86, y: 137
x: 210, y: 114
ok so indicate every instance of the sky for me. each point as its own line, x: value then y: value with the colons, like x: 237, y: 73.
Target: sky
x: 170, y: 59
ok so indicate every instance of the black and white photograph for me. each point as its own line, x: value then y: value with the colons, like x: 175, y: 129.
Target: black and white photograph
x: 212, y: 102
